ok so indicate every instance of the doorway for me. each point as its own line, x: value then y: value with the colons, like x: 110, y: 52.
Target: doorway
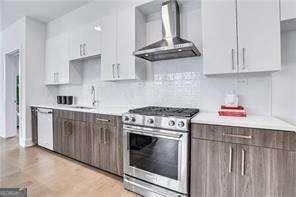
x: 12, y: 94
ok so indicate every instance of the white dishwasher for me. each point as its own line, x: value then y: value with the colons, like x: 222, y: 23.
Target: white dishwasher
x: 45, y: 128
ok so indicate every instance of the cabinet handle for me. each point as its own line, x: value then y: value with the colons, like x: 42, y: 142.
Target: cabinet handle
x: 105, y: 136
x: 84, y: 49
x: 80, y: 50
x: 102, y: 120
x: 232, y: 59
x: 113, y: 65
x: 243, y: 60
x: 243, y: 163
x: 118, y: 70
x: 230, y: 160
x: 68, y: 128
x: 102, y: 135
x: 237, y: 136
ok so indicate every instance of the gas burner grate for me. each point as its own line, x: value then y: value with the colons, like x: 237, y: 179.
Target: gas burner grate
x: 165, y: 111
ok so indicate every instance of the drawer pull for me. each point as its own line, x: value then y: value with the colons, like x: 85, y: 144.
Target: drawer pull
x: 102, y: 120
x: 237, y: 136
x: 230, y: 160
x: 243, y: 163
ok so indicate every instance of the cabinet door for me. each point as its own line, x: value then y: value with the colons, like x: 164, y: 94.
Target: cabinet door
x: 265, y: 172
x: 212, y: 169
x: 109, y: 39
x: 259, y: 35
x: 93, y: 37
x: 68, y: 139
x: 76, y: 41
x: 108, y: 149
x: 57, y: 65
x: 219, y: 36
x: 57, y: 133
x: 82, y: 142
x: 34, y: 125
x: 97, y: 139
x: 125, y: 64
x: 288, y: 9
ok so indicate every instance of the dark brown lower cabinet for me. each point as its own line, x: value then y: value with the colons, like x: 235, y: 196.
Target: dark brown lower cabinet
x: 212, y: 169
x: 220, y: 169
x: 265, y: 172
x: 34, y: 119
x: 107, y: 147
x: 82, y: 142
x: 57, y: 134
x: 91, y: 138
x: 68, y: 137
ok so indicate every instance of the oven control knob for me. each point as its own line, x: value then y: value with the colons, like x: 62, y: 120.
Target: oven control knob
x: 171, y: 123
x: 133, y: 119
x: 181, y: 124
x: 126, y: 118
x: 150, y: 121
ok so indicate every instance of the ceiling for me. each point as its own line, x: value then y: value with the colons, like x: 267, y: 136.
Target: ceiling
x: 45, y: 11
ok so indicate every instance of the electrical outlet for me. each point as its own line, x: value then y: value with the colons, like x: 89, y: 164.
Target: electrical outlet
x: 242, y: 81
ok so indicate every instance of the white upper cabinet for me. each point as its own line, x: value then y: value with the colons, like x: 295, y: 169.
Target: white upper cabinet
x: 241, y: 36
x: 288, y: 9
x: 85, y: 41
x: 259, y: 35
x: 219, y: 36
x: 108, y: 58
x: 58, y: 68
x: 118, y: 44
x: 56, y: 59
x: 125, y: 45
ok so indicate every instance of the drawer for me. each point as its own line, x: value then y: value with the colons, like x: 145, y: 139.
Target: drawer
x: 71, y: 115
x: 248, y: 136
x: 101, y: 119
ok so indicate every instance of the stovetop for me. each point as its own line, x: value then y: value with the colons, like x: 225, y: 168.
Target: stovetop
x: 165, y: 111
x: 160, y: 117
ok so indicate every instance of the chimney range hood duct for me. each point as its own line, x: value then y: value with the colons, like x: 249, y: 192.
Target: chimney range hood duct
x: 171, y: 46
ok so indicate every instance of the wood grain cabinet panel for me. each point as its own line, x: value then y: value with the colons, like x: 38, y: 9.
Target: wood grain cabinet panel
x: 213, y: 169
x: 57, y: 133
x: 34, y: 120
x: 265, y: 172
x: 67, y: 135
x: 107, y: 147
x: 248, y: 136
x: 95, y: 139
x: 234, y: 165
x: 82, y: 142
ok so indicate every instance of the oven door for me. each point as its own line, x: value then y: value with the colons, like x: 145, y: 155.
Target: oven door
x: 156, y: 156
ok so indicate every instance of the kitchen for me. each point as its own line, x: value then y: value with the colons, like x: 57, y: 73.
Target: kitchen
x: 145, y: 120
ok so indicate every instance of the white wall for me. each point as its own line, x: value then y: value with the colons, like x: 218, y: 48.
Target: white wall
x: 11, y: 71
x: 284, y: 82
x: 170, y: 83
x: 13, y: 39
x: 28, y: 36
x: 1, y: 86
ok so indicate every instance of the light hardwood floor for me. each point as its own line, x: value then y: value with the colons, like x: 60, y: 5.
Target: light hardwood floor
x: 47, y: 174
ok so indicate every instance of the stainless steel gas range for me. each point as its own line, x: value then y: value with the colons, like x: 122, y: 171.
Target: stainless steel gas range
x: 155, y: 151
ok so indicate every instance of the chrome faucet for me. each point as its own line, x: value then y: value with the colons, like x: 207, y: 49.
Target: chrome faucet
x: 93, y: 96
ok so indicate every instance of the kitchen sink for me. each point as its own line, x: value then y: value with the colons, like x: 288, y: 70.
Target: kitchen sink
x: 82, y: 107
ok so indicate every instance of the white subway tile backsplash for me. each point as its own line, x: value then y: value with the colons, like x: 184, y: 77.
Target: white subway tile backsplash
x: 177, y: 83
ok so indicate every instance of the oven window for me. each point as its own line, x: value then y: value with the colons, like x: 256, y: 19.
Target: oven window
x: 155, y: 155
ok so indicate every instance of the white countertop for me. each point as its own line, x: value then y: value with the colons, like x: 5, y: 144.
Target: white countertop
x: 251, y: 121
x: 109, y: 110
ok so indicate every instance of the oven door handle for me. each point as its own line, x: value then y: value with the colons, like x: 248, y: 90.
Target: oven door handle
x: 162, y: 135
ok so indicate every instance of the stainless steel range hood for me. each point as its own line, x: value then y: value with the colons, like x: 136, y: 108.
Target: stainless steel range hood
x: 171, y: 46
